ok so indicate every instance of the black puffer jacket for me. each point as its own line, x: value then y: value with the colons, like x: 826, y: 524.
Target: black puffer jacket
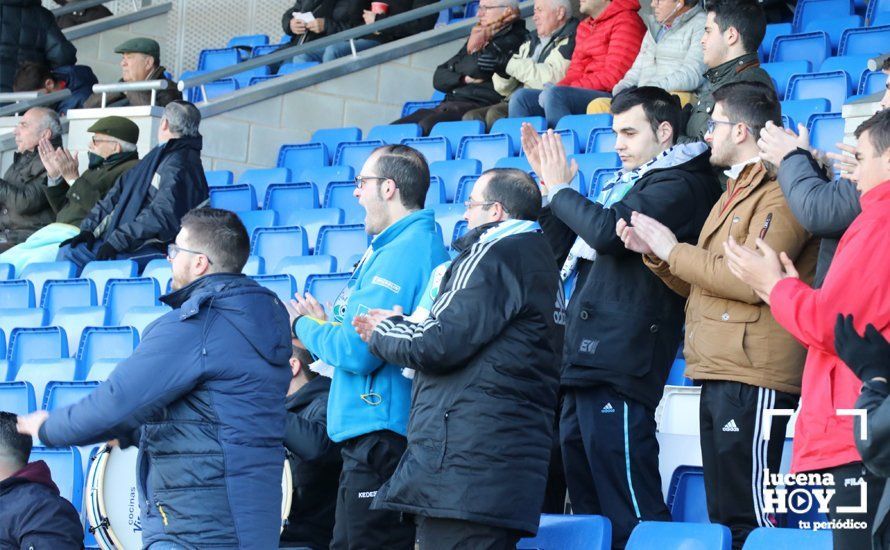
x: 319, y: 8
x: 28, y: 31
x: 485, y: 393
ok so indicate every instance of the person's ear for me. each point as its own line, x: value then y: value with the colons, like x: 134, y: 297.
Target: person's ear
x: 665, y: 132
x: 295, y: 366
x: 388, y: 187
x: 732, y: 35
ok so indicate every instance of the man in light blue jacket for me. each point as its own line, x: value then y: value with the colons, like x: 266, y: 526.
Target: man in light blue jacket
x: 369, y: 399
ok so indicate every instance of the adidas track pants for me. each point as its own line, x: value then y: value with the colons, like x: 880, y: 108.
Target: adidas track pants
x: 735, y: 452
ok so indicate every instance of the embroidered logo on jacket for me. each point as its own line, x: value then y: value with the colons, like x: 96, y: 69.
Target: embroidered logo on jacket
x: 385, y: 283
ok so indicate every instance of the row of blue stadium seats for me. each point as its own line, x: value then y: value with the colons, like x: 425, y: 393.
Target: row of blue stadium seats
x: 816, y: 46
x: 837, y: 79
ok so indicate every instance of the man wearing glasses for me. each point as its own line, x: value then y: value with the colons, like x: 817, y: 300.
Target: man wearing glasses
x: 369, y: 397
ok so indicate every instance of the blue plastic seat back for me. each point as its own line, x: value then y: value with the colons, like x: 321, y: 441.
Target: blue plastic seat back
x: 62, y: 394
x: 218, y: 178
x: 689, y: 536
x: 782, y: 71
x: 29, y: 344
x: 464, y: 188
x: 244, y: 77
x: 807, y: 11
x: 332, y: 137
x: 40, y: 272
x: 105, y: 343
x: 275, y: 243
x: 575, y: 532
x: 218, y: 88
x: 63, y: 293
x: 589, y: 163
x: 322, y: 176
x: 254, y: 219
x: 7, y: 271
x: 519, y: 163
x: 411, y: 107
x: 300, y: 156
x: 513, y: 128
x: 853, y: 65
x: 801, y: 110
x: 834, y: 86
x: 394, y: 133
x: 259, y: 51
x: 339, y: 194
x: 123, y: 294
x: 342, y: 242
x: 355, y: 153
x: 872, y: 82
x: 17, y: 293
x: 41, y: 372
x: 433, y: 148
x: 248, y: 40
x: 583, y: 125
x: 75, y: 319
x: 834, y: 26
x: 314, y: 219
x: 142, y: 316
x: 451, y: 171
x: 772, y: 31
x: 448, y: 215
x: 812, y: 46
x: 261, y: 178
x: 67, y: 473
x: 677, y: 376
x: 161, y: 271
x: 602, y: 140
x: 487, y: 149
x: 286, y: 197
x: 283, y: 285
x: 453, y: 131
x: 234, y: 197
x: 770, y: 538
x: 597, y: 179
x: 101, y: 271
x: 435, y: 193
x: 300, y: 267
x: 686, y: 496
x: 13, y: 318
x: 213, y: 59
x: 826, y: 130
x: 460, y: 229
x: 255, y: 265
x: 569, y: 141
x: 326, y: 287
x: 865, y: 41
x: 17, y: 397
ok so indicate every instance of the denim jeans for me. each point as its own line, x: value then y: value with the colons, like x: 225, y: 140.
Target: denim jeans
x: 335, y: 51
x: 558, y: 101
x: 166, y: 545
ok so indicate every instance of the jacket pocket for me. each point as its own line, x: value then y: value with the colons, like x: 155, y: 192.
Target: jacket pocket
x: 444, y: 441
x: 720, y: 334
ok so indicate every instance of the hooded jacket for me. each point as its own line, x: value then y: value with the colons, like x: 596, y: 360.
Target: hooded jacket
x: 34, y: 515
x: 550, y: 66
x: 23, y: 206
x: 79, y: 79
x: 206, y: 389
x: 28, y: 32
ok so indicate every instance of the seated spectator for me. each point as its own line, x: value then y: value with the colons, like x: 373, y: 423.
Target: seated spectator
x: 296, y: 28
x: 72, y: 195
x: 32, y: 514
x: 33, y: 76
x: 140, y: 61
x: 29, y: 32
x: 466, y: 84
x: 671, y: 55
x: 79, y: 17
x: 24, y: 207
x: 141, y: 213
x: 541, y: 60
x: 334, y: 16
x: 606, y: 44
x: 314, y: 459
x: 733, y: 31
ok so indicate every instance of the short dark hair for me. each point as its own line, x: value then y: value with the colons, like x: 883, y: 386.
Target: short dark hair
x: 305, y: 358
x: 878, y: 128
x: 516, y: 191
x: 745, y: 15
x: 886, y: 65
x: 14, y: 446
x: 658, y: 105
x: 752, y: 103
x: 221, y: 236
x: 408, y: 169
x: 30, y: 76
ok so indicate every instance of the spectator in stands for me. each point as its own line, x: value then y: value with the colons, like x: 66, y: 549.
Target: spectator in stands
x: 32, y: 514
x: 466, y: 84
x: 606, y: 44
x: 314, y: 459
x: 28, y: 31
x: 671, y: 55
x: 746, y: 363
x: 624, y: 325
x: 369, y: 401
x: 868, y: 356
x: 141, y: 213
x: 487, y: 377
x: 856, y: 283
x: 140, y: 61
x: 112, y: 152
x: 79, y: 79
x: 733, y: 32
x: 23, y: 205
x: 202, y: 396
x: 541, y: 60
x: 296, y: 28
x: 79, y: 17
x: 333, y: 16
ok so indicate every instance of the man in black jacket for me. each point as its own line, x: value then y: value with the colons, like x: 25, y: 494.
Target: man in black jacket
x: 331, y: 17
x: 28, y: 31
x: 314, y: 459
x: 141, y: 213
x: 32, y: 514
x: 466, y: 85
x: 484, y: 393
x: 623, y: 326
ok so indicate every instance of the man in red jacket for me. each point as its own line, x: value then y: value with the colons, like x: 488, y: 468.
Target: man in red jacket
x: 606, y: 44
x: 857, y: 284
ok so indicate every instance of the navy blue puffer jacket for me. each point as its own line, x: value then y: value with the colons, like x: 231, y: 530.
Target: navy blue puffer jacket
x: 28, y: 32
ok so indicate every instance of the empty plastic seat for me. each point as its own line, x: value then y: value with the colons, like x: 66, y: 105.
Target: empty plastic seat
x: 772, y: 31
x: 435, y: 193
x: 394, y: 133
x: 332, y: 137
x: 61, y: 394
x: 355, y: 153
x: 812, y: 46
x: 853, y: 65
x: 464, y: 188
x: 63, y: 293
x: 40, y: 272
x: 447, y: 215
x: 101, y: 370
x: 807, y: 11
x: 236, y: 198
x: 686, y: 497
x: 433, y: 148
x: 41, y: 372
x: 865, y: 41
x: 872, y: 82
x: 583, y: 125
x: 213, y: 59
x: 326, y: 287
x: 17, y: 397
x: 487, y: 149
x: 17, y: 293
x: 601, y: 140
x: 676, y: 536
x: 253, y: 219
x: 800, y: 110
x: 450, y: 171
x: 282, y: 285
x: 676, y: 376
x: 123, y: 294
x: 20, y: 317
x: 286, y: 197
x: 97, y: 343
x: 512, y: 127
x: 460, y: 229
x: 218, y: 178
x: 342, y: 241
x: 142, y: 316
x: 248, y: 40
x: 300, y: 156
x: 311, y: 220
x: 75, y: 319
x: 275, y: 243
x: 260, y: 178
x: 769, y: 538
x: 834, y: 86
x: 520, y: 163
x: 300, y: 267
x: 340, y: 194
x: 782, y: 71
x: 243, y: 78
x: 67, y: 472
x: 410, y: 107
x: 575, y: 532
x: 30, y: 344
x: 834, y: 26
x: 161, y: 271
x: 826, y: 129
x: 598, y: 179
x: 322, y: 176
x: 259, y: 51
x: 589, y: 163
x: 453, y: 131
x: 255, y: 265
x: 100, y: 271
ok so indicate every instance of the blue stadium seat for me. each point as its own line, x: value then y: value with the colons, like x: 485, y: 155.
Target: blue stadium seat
x: 218, y: 178
x: 259, y: 51
x: 332, y: 137
x: 123, y: 294
x: 807, y: 11
x: 834, y: 26
x: 464, y: 188
x: 161, y: 271
x: 875, y: 9
x: 597, y: 179
x: 217, y: 88
x: 101, y: 370
x: 62, y: 293
x: 589, y: 163
x: 394, y: 133
x: 342, y: 241
x: 253, y: 219
x: 275, y: 243
x: 140, y: 317
x: 853, y: 65
x: 513, y: 128
x: 800, y: 110
x: 29, y: 344
x: 17, y: 293
x: 286, y: 197
x: 410, y: 107
x: 40, y: 272
x: 575, y: 532
x: 17, y: 397
x: 100, y: 271
x: 98, y: 343
x: 812, y: 46
x: 300, y: 267
x: 881, y: 19
x: 583, y: 125
x: 770, y: 538
x: 355, y: 153
x: 326, y: 287
x: 520, y: 163
x: 213, y: 59
x: 448, y: 215
x: 453, y: 131
x: 255, y: 265
x: 312, y: 220
x: 686, y: 496
x: 601, y: 140
x: 569, y: 141
x: 322, y: 176
x: 244, y: 77
x: 339, y: 194
x: 487, y: 149
x: 772, y: 31
x: 66, y: 469
x: 781, y: 71
x: 433, y: 148
x: 676, y: 536
x: 677, y: 376
x: 460, y: 229
x: 288, y: 68
x: 74, y: 320
x: 7, y: 271
x: 826, y: 129
x: 451, y: 171
x: 865, y: 41
x: 234, y: 197
x: 282, y: 285
x: 834, y: 86
x: 872, y: 82
x: 299, y: 156
x: 19, y: 317
x: 435, y: 194
x: 60, y: 394
x: 261, y: 178
x: 248, y: 40
x: 41, y: 372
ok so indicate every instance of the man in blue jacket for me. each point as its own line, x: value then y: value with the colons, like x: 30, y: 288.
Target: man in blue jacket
x: 369, y: 400
x: 204, y: 392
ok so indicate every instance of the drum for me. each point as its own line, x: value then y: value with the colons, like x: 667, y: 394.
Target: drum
x: 113, y: 503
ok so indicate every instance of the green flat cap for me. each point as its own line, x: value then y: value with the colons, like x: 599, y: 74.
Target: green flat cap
x: 140, y: 45
x: 116, y: 126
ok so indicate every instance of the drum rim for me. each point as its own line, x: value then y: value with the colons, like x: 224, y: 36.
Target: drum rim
x: 96, y: 479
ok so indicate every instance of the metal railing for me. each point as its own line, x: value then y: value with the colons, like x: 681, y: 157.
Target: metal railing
x: 26, y: 100
x: 143, y: 86
x: 79, y: 5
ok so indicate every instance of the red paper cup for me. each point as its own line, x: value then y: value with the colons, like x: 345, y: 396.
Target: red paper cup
x: 380, y: 8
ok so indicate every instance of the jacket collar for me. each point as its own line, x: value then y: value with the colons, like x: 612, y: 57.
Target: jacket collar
x: 734, y: 171
x: 198, y: 290
x: 739, y: 64
x: 421, y: 219
x: 877, y: 195
x: 750, y: 178
x: 308, y: 393
x: 118, y: 158
x: 654, y: 26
